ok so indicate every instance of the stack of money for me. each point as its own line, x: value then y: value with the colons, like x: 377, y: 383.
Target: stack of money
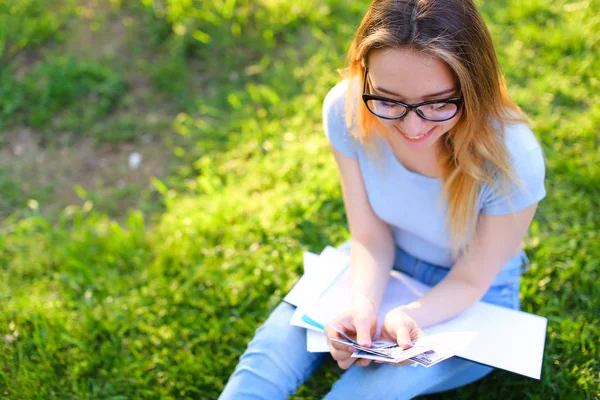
x: 425, y: 352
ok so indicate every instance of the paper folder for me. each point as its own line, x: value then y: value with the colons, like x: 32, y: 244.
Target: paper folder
x: 507, y: 339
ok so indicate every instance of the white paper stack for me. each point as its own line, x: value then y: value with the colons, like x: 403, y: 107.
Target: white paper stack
x: 488, y: 334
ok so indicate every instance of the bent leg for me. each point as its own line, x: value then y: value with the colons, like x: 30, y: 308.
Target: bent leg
x: 276, y: 361
x: 384, y: 381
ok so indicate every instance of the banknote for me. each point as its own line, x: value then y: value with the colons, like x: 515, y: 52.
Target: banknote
x: 424, y: 352
x: 387, y: 351
x: 367, y: 350
x: 432, y: 357
x: 376, y: 344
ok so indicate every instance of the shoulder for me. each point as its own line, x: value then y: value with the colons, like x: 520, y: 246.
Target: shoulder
x: 519, y: 139
x: 524, y: 150
x: 334, y: 121
x: 527, y: 164
x: 334, y: 103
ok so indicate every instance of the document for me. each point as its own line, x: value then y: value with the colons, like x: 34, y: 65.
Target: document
x: 319, y: 271
x: 485, y: 333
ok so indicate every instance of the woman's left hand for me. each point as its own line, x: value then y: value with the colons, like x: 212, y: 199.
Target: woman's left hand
x: 399, y: 327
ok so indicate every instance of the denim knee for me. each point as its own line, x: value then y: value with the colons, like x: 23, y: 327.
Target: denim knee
x: 276, y: 361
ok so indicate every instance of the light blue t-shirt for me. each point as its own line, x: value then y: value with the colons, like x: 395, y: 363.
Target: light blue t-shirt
x: 410, y: 202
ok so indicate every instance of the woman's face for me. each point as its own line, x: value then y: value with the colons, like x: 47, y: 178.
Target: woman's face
x: 412, y: 77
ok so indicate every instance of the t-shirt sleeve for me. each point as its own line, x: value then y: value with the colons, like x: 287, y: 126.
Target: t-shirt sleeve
x: 334, y: 121
x: 529, y: 169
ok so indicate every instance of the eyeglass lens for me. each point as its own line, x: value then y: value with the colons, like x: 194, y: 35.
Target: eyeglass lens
x: 435, y: 111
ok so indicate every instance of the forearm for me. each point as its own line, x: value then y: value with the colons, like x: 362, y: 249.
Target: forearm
x: 498, y: 239
x: 449, y: 298
x: 371, y: 263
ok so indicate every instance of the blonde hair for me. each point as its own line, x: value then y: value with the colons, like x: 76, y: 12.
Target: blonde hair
x: 472, y: 153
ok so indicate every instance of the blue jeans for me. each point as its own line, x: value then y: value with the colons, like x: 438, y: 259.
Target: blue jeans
x: 276, y: 361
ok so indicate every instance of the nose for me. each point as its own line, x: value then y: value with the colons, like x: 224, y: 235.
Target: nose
x: 412, y: 124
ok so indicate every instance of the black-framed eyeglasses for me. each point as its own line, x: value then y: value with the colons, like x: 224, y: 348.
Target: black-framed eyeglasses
x: 434, y: 110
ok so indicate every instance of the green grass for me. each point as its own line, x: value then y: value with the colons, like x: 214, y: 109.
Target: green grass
x: 161, y: 304
x: 64, y: 93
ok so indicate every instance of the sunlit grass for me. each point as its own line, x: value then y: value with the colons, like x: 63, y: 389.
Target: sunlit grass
x: 162, y: 305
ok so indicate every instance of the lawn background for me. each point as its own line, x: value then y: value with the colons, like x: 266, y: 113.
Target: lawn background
x: 120, y: 283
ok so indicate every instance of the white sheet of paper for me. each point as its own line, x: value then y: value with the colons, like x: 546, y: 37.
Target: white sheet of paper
x: 305, y: 286
x: 319, y: 271
x: 331, y: 256
x: 316, y: 342
x: 344, y: 248
x: 455, y: 340
x: 400, y: 290
x: 507, y: 339
x: 311, y: 263
x: 298, y: 321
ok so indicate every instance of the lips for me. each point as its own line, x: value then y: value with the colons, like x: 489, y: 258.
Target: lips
x: 419, y: 138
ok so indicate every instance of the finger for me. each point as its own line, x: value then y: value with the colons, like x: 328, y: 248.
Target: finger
x: 403, y: 337
x: 386, y: 334
x: 330, y: 332
x: 419, y: 333
x: 345, y: 364
x: 340, y: 353
x: 341, y: 346
x: 338, y: 330
x: 363, y: 362
x: 362, y: 324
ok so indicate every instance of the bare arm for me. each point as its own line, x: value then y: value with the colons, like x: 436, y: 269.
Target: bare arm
x: 497, y: 239
x: 371, y: 259
x: 373, y: 247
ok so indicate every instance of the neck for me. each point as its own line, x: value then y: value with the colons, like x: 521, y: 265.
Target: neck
x: 421, y: 161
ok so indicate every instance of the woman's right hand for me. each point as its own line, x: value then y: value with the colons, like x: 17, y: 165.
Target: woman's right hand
x: 358, y: 321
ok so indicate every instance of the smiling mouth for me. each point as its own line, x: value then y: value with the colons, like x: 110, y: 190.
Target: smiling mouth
x: 418, y: 137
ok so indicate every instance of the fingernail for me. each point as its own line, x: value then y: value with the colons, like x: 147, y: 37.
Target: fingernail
x: 351, y: 349
x: 365, y: 344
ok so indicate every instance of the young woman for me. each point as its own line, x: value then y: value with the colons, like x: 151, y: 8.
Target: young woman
x: 441, y: 178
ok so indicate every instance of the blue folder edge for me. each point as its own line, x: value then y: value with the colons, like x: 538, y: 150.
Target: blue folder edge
x: 312, y: 322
